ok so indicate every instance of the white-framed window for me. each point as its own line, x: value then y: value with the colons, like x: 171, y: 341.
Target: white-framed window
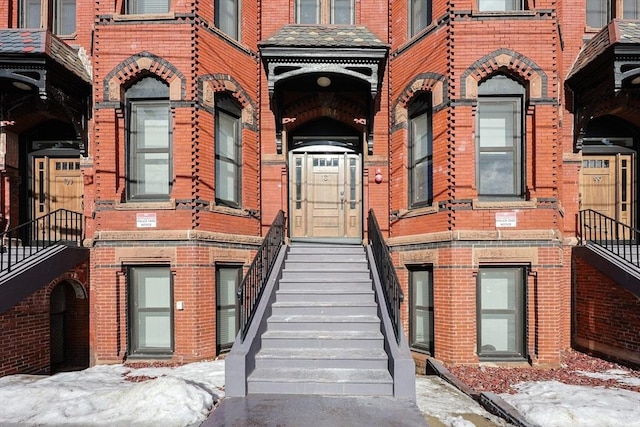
x: 150, y: 310
x: 228, y: 144
x: 149, y: 160
x: 600, y: 12
x: 228, y: 278
x: 419, y: 16
x: 338, y: 12
x: 501, y: 294
x: 227, y: 17
x: 63, y: 12
x: 420, y: 152
x: 499, y: 138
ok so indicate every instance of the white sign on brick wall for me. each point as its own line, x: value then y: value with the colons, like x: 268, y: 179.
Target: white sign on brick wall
x: 146, y: 220
x: 506, y: 219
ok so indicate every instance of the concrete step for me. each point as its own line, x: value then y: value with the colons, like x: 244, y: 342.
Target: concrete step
x: 304, y: 274
x: 311, y: 248
x: 323, y: 358
x: 327, y: 257
x: 323, y: 323
x: 367, y: 382
x: 322, y: 339
x: 301, y: 285
x: 324, y: 296
x: 319, y: 308
x: 316, y: 265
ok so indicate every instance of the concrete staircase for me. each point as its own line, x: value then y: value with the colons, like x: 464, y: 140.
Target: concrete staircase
x: 323, y: 335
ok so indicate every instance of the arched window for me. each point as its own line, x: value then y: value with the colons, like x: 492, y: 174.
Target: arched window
x: 500, y: 138
x: 420, y: 152
x: 228, y: 146
x: 149, y: 160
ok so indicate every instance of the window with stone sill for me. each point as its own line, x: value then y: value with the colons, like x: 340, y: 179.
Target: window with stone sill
x: 149, y: 159
x: 63, y: 14
x: 500, y: 139
x: 150, y: 311
x: 228, y: 143
x: 501, y: 302
x: 227, y: 17
x: 420, y: 152
x: 600, y: 12
x: 339, y: 12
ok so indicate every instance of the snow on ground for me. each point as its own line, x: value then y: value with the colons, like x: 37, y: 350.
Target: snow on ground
x: 554, y: 404
x: 117, y: 395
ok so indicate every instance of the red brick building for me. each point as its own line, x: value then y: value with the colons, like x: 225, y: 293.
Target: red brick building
x: 193, y: 123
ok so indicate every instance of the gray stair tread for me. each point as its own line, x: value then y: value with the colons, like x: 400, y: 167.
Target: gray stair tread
x: 281, y: 375
x: 322, y: 280
x: 320, y: 291
x: 302, y: 318
x: 323, y: 335
x: 322, y: 353
x: 323, y: 304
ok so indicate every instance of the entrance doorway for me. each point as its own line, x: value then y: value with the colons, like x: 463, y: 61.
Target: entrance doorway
x: 325, y: 194
x: 57, y: 184
x: 607, y: 186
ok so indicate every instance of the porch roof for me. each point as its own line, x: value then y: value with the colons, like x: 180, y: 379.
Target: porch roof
x: 23, y: 42
x: 323, y: 36
x: 615, y: 47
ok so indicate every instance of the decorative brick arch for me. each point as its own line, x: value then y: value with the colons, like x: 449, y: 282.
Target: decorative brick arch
x: 509, y: 61
x: 325, y: 104
x: 140, y: 64
x: 73, y: 280
x: 210, y: 84
x: 433, y: 83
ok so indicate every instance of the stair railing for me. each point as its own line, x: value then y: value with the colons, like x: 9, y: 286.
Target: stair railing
x: 610, y: 234
x: 25, y: 240
x: 252, y: 286
x: 387, y: 274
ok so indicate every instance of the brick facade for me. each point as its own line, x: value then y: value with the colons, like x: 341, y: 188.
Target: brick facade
x: 606, y: 316
x: 455, y: 236
x: 25, y: 332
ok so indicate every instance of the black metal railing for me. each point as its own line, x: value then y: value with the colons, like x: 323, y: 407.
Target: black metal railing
x: 252, y: 286
x: 387, y: 274
x: 614, y: 236
x: 25, y: 240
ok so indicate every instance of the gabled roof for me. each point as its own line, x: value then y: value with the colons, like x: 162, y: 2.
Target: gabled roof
x: 323, y: 36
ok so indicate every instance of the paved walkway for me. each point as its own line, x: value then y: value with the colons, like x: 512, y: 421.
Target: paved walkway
x: 271, y: 410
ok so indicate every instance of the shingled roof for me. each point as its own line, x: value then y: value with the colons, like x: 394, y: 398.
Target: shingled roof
x: 323, y: 36
x: 40, y: 42
x: 617, y: 32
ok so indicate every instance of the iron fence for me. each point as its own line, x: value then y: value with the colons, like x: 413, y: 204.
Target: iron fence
x: 614, y: 236
x: 60, y: 226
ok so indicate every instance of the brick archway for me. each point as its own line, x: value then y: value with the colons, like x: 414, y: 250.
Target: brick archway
x: 433, y: 83
x: 210, y: 84
x: 320, y: 105
x: 143, y: 63
x: 508, y: 60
